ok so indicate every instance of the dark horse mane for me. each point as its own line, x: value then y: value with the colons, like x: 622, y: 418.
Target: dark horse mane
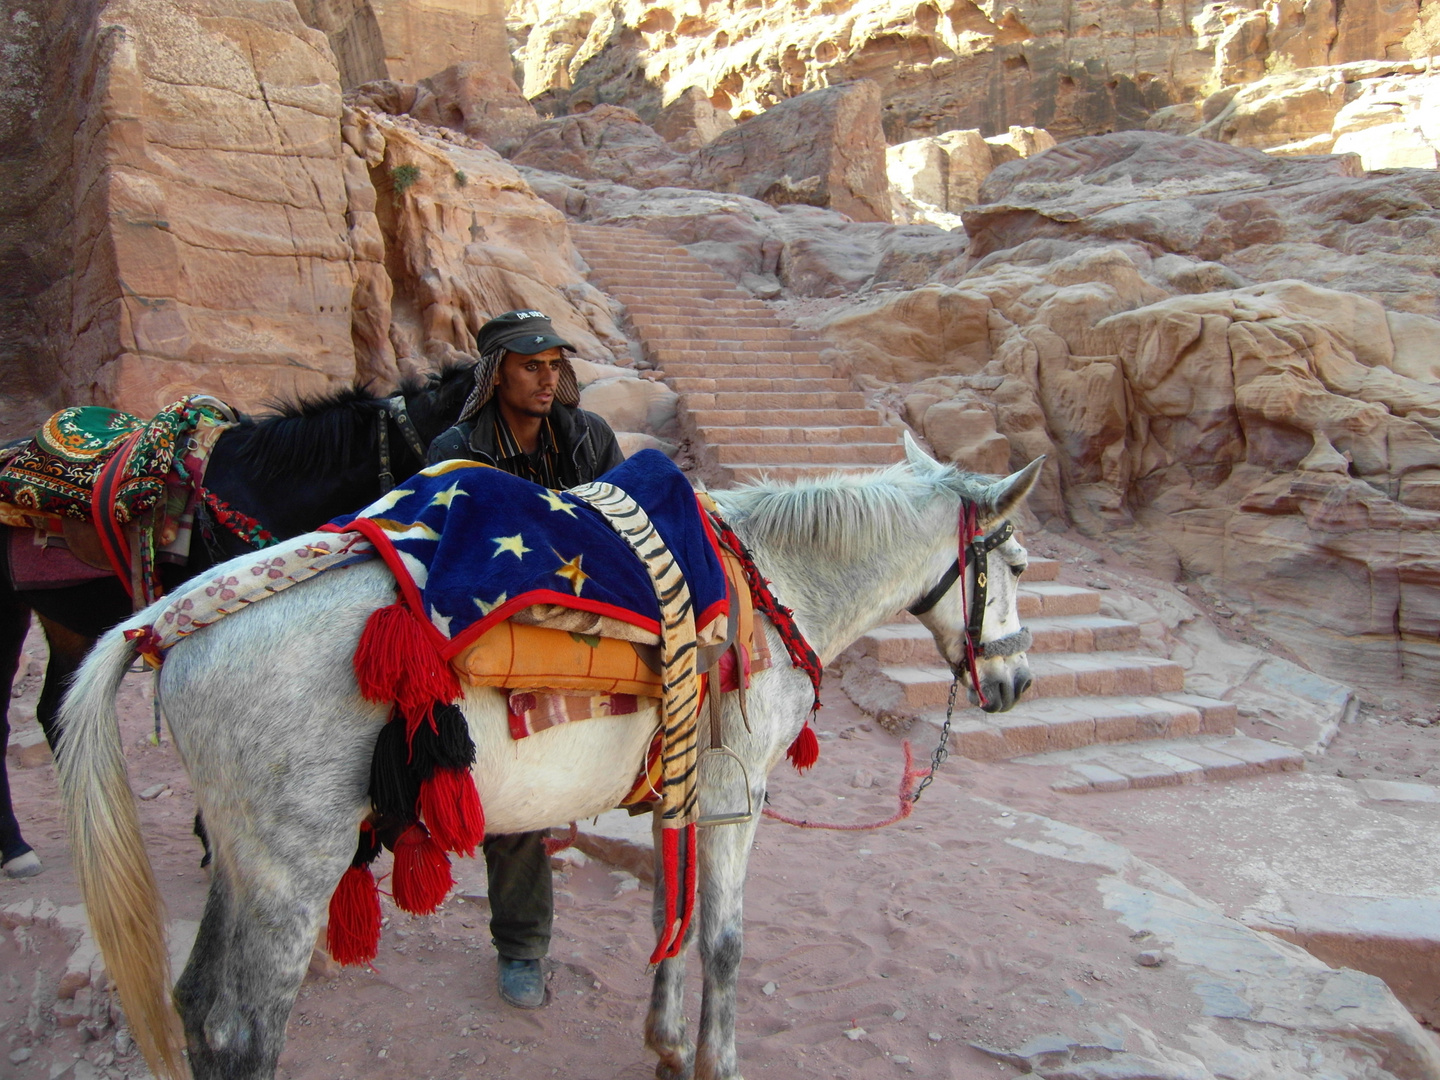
x: 313, y: 431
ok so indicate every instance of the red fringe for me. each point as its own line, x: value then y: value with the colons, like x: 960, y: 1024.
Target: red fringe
x: 669, y: 934
x: 353, y: 936
x: 804, y: 752
x: 396, y: 661
x: 422, y: 872
x: 451, y: 808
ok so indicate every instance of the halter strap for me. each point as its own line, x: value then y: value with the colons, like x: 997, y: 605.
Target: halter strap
x: 973, y: 548
x: 394, y: 408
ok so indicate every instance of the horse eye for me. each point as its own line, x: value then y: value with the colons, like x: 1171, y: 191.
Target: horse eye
x: 1017, y: 570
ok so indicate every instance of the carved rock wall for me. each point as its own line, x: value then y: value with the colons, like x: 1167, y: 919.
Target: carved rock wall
x: 1071, y: 69
x: 409, y: 40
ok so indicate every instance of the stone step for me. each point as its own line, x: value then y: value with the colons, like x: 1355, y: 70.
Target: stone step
x: 711, y: 308
x: 739, y: 329
x: 667, y: 325
x: 721, y: 436
x: 1167, y: 763
x: 867, y: 453
x: 912, y: 644
x: 730, y: 366
x: 1051, y: 598
x: 706, y: 418
x: 917, y: 687
x: 730, y: 341
x: 791, y: 352
x: 758, y: 473
x: 726, y: 384
x: 732, y: 399
x: 1069, y: 723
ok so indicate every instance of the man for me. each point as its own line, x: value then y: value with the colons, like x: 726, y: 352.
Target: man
x: 524, y: 417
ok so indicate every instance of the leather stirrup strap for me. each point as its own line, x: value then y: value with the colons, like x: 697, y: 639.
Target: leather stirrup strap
x: 102, y: 511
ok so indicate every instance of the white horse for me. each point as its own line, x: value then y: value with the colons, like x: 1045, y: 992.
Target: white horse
x: 267, y: 717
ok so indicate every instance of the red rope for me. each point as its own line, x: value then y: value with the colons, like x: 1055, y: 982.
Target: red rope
x: 906, y: 796
x: 555, y: 844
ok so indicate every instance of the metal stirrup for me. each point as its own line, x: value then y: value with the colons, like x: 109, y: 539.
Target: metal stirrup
x: 718, y: 748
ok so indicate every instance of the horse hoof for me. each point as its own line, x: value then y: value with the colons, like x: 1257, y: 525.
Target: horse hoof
x: 22, y: 866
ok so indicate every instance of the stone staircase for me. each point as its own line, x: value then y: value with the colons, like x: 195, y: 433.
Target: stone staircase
x: 756, y: 400
x: 1114, y: 718
x: 754, y: 396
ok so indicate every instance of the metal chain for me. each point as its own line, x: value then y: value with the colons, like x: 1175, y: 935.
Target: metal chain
x: 942, y: 749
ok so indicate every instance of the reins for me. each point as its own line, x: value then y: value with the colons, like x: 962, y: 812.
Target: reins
x: 973, y: 548
x: 394, y: 408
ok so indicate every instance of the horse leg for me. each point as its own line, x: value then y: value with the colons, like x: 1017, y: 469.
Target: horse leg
x: 665, y: 1032
x: 67, y: 651
x: 250, y: 957
x: 16, y: 856
x: 724, y: 855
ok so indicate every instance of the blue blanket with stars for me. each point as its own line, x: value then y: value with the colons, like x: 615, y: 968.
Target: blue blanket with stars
x: 470, y: 545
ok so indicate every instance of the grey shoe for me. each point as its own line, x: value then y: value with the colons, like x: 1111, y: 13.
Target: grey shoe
x: 521, y: 983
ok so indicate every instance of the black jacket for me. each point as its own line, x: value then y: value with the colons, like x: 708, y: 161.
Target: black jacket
x: 585, y: 445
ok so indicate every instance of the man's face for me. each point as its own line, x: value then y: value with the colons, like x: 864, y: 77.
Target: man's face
x: 526, y: 384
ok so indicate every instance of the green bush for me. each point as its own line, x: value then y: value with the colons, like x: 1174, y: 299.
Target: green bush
x: 460, y: 178
x: 403, y: 176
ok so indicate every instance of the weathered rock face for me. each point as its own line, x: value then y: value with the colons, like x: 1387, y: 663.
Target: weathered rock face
x: 1383, y: 112
x: 201, y: 259
x: 1258, y: 421
x: 465, y: 239
x: 605, y: 143
x: 1032, y: 63
x: 933, y: 179
x: 810, y: 252
x: 1260, y: 217
x: 825, y: 148
x: 939, y: 68
x: 466, y: 97
x: 409, y: 40
x: 39, y: 112
x: 691, y: 121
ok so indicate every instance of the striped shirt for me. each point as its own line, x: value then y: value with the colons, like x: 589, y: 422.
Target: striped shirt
x: 540, y: 467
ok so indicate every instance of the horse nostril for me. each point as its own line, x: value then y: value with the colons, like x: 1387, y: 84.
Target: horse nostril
x: 1023, y: 683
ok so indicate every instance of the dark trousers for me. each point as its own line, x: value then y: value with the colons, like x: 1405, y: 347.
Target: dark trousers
x: 522, y: 903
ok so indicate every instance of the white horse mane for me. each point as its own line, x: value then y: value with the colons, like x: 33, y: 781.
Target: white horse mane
x: 845, y: 515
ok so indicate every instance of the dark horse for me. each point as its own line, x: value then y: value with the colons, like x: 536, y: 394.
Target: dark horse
x: 291, y: 471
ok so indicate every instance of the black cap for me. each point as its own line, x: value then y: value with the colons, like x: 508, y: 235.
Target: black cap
x: 525, y: 332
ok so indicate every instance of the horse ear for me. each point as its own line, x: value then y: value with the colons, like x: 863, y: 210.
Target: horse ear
x: 920, y: 462
x: 1004, y: 496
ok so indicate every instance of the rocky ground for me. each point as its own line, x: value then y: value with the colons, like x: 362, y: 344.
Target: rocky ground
x: 1003, y: 929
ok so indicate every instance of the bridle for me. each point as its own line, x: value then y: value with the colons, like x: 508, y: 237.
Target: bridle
x: 394, y: 408
x: 975, y: 548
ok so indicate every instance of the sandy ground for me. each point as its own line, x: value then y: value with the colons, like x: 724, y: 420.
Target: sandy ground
x: 867, y: 954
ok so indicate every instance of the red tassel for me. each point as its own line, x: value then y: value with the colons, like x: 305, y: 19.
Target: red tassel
x: 422, y: 872
x: 353, y: 936
x: 451, y: 808
x: 396, y: 661
x: 804, y: 752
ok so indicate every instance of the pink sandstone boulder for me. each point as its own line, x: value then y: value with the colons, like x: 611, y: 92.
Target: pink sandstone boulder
x: 605, y: 143
x: 823, y: 148
x: 484, y: 104
x: 690, y: 121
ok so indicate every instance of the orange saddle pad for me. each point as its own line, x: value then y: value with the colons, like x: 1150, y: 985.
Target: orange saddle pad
x: 521, y: 657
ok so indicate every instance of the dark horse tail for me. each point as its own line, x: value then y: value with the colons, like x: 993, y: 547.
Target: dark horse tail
x: 122, y: 900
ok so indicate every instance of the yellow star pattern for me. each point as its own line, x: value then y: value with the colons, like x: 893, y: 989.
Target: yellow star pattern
x: 448, y: 496
x: 572, y: 573
x: 557, y: 503
x: 513, y: 544
x: 485, y: 608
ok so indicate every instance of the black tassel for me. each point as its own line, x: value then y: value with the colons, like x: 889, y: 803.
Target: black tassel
x: 368, y: 849
x: 394, y: 783
x: 447, y: 746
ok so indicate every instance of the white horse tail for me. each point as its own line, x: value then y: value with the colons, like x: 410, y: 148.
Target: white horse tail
x: 122, y: 901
